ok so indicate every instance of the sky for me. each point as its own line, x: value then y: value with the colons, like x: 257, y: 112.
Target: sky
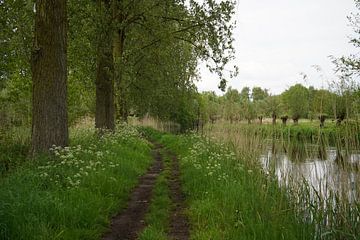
x: 277, y: 40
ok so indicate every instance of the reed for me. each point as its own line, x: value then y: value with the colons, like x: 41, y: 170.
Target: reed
x: 333, y: 204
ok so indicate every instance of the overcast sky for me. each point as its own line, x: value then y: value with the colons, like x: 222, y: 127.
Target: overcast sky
x: 277, y: 40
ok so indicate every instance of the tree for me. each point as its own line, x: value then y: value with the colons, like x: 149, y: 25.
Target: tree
x: 272, y: 106
x: 322, y: 102
x: 105, y: 107
x: 232, y: 100
x: 245, y: 94
x: 259, y: 94
x: 297, y: 98
x: 83, y: 38
x: 247, y: 107
x: 258, y: 98
x: 159, y: 42
x: 49, y: 76
x: 16, y: 24
x: 148, y: 49
x: 350, y: 65
x: 211, y: 106
x: 311, y: 95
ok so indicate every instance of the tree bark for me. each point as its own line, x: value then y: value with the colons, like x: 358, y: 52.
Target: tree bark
x: 105, y: 108
x: 49, y: 76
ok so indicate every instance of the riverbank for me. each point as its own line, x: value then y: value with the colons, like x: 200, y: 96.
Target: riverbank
x: 332, y: 206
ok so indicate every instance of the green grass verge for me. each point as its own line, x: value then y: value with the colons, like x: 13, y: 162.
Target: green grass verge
x: 72, y: 194
x: 227, y: 198
x: 157, y: 219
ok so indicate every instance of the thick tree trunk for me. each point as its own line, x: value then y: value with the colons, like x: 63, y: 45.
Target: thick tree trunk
x: 49, y: 76
x: 105, y: 108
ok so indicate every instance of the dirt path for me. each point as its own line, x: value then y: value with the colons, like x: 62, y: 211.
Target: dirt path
x: 130, y: 222
x: 179, y: 223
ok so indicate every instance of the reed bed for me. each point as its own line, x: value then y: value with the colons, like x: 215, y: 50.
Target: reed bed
x: 333, y: 211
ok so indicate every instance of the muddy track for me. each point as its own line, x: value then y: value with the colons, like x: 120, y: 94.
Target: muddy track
x: 130, y: 222
x: 179, y: 223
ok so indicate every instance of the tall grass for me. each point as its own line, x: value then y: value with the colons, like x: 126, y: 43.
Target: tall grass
x: 14, y: 148
x: 163, y: 126
x: 72, y: 193
x: 334, y: 210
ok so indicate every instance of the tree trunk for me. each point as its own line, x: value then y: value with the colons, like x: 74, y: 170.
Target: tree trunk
x: 322, y: 119
x: 105, y: 108
x: 49, y: 76
x: 274, y: 119
x: 284, y: 120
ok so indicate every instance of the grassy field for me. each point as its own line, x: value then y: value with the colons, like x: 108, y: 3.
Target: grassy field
x: 72, y: 194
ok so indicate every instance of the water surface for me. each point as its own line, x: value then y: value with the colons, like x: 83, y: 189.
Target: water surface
x: 320, y: 168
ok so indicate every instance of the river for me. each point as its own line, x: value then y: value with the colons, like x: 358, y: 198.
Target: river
x: 326, y: 176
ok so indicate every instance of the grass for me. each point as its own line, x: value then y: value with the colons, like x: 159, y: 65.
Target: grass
x: 14, y: 148
x: 73, y: 193
x: 229, y: 198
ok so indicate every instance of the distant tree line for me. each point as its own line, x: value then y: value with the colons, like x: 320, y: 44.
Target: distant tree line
x: 297, y: 102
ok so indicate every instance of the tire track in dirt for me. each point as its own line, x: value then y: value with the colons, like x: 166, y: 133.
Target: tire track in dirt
x: 130, y: 222
x: 179, y: 223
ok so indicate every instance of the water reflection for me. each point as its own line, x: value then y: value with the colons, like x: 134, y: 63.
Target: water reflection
x: 318, y: 166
